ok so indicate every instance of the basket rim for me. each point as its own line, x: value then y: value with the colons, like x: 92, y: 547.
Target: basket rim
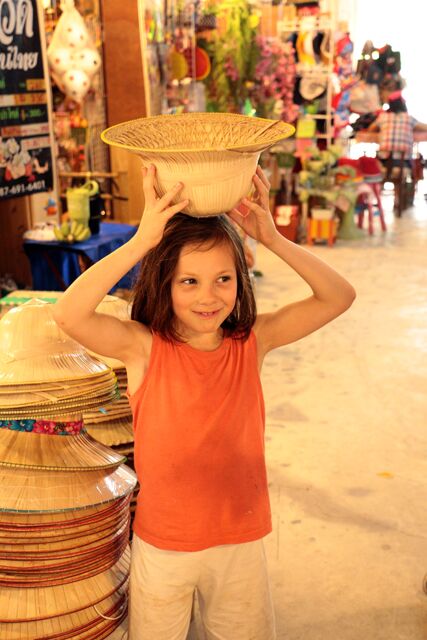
x: 287, y: 131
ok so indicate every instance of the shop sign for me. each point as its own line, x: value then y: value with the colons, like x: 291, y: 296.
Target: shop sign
x: 25, y: 144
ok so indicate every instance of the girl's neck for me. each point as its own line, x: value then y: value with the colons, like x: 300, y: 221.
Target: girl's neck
x: 204, y: 341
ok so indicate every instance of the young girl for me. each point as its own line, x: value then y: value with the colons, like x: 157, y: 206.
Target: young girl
x: 193, y: 351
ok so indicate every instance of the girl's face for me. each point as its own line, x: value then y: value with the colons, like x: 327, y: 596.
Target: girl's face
x: 204, y: 289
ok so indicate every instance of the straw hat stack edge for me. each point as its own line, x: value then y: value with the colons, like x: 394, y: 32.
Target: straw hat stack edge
x: 64, y: 497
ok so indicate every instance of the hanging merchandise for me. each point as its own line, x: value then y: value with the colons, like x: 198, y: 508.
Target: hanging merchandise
x: 199, y: 64
x: 233, y: 52
x: 345, y: 78
x: 73, y: 57
x: 274, y: 79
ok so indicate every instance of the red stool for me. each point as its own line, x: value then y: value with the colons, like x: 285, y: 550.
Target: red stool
x: 371, y: 185
x: 370, y: 169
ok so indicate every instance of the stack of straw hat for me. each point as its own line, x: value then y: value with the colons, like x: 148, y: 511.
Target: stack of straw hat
x: 64, y: 498
x: 113, y: 425
x: 214, y: 155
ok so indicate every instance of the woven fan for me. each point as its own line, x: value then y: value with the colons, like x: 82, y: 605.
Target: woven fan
x: 213, y: 154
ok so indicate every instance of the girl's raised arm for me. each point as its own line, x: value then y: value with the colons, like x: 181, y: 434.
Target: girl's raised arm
x: 332, y: 294
x: 75, y: 311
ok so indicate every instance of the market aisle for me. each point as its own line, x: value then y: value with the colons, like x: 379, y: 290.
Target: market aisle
x: 346, y: 446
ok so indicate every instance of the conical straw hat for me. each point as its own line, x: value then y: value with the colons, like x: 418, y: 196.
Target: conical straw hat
x: 91, y: 402
x: 115, y: 306
x: 112, y: 432
x: 91, y: 622
x: 118, y: 308
x: 18, y: 527
x: 66, y: 567
x: 34, y: 490
x: 214, y: 155
x: 33, y: 348
x: 18, y: 604
x: 55, y: 452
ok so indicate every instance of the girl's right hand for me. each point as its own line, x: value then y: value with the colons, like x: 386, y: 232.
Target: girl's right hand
x: 157, y: 211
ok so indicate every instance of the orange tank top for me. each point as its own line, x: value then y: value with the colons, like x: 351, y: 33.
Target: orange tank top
x: 199, y: 447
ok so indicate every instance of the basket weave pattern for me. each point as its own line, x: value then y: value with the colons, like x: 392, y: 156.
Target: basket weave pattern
x: 214, y: 155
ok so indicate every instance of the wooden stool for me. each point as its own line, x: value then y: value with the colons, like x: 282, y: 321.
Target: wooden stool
x: 321, y: 230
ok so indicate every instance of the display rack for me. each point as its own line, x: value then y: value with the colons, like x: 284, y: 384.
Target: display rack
x: 327, y: 25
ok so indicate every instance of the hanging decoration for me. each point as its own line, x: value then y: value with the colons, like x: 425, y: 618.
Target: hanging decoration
x: 274, y: 79
x: 72, y: 55
x: 233, y: 53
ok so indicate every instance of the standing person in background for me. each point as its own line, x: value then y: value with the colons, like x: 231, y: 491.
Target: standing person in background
x: 193, y: 352
x: 396, y: 128
x: 396, y: 140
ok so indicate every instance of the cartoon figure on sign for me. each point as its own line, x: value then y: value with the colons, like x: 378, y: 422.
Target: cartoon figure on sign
x: 18, y: 162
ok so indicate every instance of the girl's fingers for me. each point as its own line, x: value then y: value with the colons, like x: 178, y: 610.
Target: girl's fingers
x: 170, y: 211
x: 253, y: 206
x: 236, y: 216
x: 167, y: 198
x: 148, y: 174
x: 263, y: 177
x: 261, y: 186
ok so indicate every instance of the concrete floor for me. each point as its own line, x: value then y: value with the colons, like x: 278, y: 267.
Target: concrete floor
x: 346, y: 444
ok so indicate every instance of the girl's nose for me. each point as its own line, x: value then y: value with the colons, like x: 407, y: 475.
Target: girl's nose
x: 207, y: 294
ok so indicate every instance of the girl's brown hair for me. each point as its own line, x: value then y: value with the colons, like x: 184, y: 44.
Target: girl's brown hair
x: 152, y: 300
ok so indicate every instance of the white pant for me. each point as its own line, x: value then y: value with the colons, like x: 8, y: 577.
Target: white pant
x: 232, y: 588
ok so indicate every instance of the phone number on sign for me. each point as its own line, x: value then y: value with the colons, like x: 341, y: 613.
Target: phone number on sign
x: 22, y: 189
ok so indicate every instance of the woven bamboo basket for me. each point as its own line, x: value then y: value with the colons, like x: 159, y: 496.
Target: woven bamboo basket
x: 214, y: 155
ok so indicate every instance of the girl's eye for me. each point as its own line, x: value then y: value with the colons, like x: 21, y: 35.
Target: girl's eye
x: 225, y: 278
x: 189, y: 281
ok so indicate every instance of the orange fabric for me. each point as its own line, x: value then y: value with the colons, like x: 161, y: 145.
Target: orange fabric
x: 199, y: 447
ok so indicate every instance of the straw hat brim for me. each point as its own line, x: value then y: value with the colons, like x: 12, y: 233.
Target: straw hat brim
x: 27, y: 604
x: 41, y: 491
x: 214, y: 155
x: 92, y: 401
x: 18, y: 527
x: 20, y: 399
x: 35, y: 349
x: 91, y: 622
x: 58, y: 453
x: 114, y: 432
x: 195, y: 133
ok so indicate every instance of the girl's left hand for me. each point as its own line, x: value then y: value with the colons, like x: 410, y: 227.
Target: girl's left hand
x: 258, y: 222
